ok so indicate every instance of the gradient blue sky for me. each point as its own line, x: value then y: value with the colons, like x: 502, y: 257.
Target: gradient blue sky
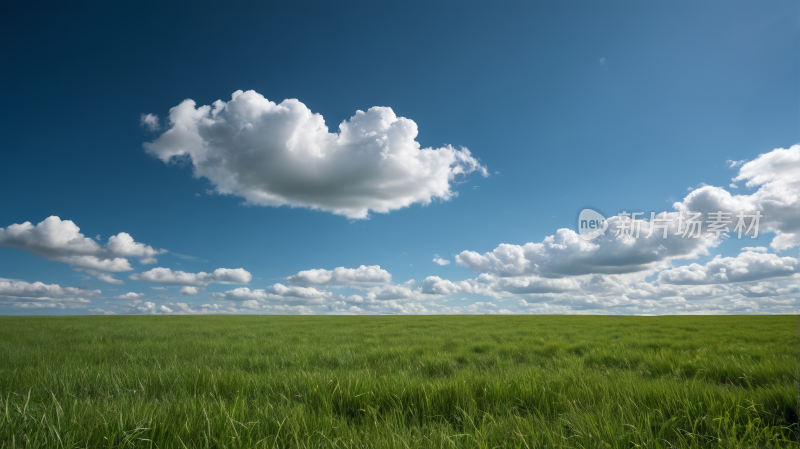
x: 620, y: 105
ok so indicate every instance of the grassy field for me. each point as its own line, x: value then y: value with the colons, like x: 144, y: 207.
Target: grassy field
x: 404, y: 382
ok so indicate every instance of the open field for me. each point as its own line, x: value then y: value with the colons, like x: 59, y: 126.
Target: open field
x: 428, y: 381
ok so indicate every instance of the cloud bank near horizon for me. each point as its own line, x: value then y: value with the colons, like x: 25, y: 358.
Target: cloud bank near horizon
x: 562, y: 273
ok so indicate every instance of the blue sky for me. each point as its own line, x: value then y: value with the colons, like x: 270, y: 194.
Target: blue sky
x: 617, y: 105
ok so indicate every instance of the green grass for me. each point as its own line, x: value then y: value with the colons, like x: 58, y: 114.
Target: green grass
x: 404, y: 382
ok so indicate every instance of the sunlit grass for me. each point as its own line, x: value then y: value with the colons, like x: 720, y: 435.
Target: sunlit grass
x: 355, y: 382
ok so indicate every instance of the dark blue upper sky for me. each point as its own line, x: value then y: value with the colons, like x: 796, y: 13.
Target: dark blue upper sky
x: 617, y: 105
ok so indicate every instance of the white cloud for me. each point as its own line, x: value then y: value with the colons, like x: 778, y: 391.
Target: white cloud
x: 103, y: 311
x: 37, y: 295
x: 361, y: 276
x: 47, y: 303
x: 282, y: 154
x: 535, y: 284
x: 734, y: 164
x: 284, y: 309
x: 62, y: 241
x: 405, y: 292
x: 41, y: 290
x: 109, y: 278
x: 434, y: 285
x: 148, y: 308
x: 777, y: 176
x: 483, y: 285
x: 439, y: 261
x: 130, y: 296
x: 565, y: 274
x: 149, y: 121
x: 251, y: 304
x: 747, y: 266
x: 277, y: 293
x: 482, y: 308
x: 392, y: 307
x: 220, y: 275
x: 297, y: 292
x: 189, y: 291
x: 183, y: 308
x: 123, y: 245
x: 144, y: 307
x: 567, y: 254
x: 105, y: 277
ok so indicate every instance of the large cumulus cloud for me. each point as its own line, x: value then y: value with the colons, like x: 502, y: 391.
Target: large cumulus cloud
x: 282, y: 154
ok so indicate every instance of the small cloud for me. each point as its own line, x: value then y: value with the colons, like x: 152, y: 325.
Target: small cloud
x: 185, y: 257
x: 104, y: 312
x: 107, y: 277
x: 702, y: 184
x: 734, y: 164
x: 733, y: 186
x: 220, y: 275
x: 438, y: 260
x: 475, y: 187
x: 755, y: 249
x: 603, y: 61
x: 97, y: 237
x: 130, y: 295
x: 189, y: 291
x: 149, y: 121
x: 497, y: 173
